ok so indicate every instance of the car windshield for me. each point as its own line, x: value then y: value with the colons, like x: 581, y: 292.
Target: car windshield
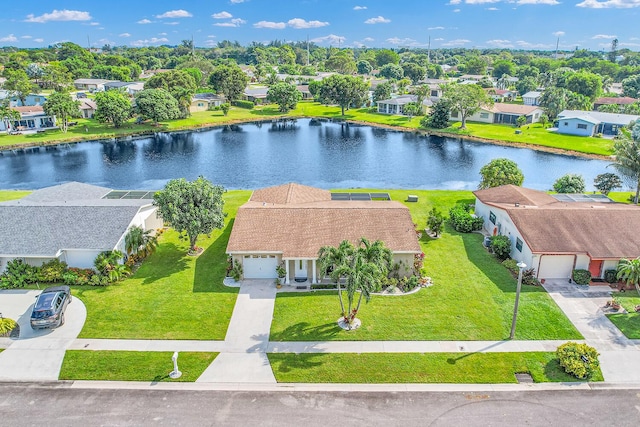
x: 45, y: 301
x: 42, y: 314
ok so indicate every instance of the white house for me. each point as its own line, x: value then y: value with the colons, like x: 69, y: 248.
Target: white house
x: 32, y: 119
x: 502, y: 113
x: 396, y: 105
x: 589, y: 123
x: 205, y: 101
x: 92, y: 85
x: 72, y: 222
x: 531, y: 98
x: 557, y: 234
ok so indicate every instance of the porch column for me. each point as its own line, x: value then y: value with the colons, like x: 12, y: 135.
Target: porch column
x: 313, y: 270
x: 286, y: 277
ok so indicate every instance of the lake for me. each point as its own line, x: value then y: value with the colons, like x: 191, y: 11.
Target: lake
x: 312, y: 152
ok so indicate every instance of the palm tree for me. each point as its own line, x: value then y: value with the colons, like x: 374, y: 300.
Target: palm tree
x: 139, y: 241
x: 629, y: 272
x: 7, y: 115
x: 376, y: 253
x: 627, y: 151
x: 336, y: 260
x: 364, y: 277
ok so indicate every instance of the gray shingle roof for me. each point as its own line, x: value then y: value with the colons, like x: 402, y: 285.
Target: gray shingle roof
x: 599, y: 117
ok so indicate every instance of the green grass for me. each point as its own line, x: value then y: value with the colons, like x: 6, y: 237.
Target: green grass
x: 629, y: 324
x: 472, y: 298
x: 375, y: 368
x: 132, y: 365
x: 6, y: 195
x: 172, y: 295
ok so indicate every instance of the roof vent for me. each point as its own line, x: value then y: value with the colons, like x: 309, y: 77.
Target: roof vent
x: 517, y: 205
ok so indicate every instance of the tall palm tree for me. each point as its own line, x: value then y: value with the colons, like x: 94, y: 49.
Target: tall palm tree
x: 376, y: 253
x: 139, y: 241
x: 365, y: 277
x: 629, y: 272
x: 7, y: 115
x: 336, y: 260
x: 627, y: 163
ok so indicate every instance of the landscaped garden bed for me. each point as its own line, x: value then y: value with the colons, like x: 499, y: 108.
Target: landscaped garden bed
x: 628, y: 323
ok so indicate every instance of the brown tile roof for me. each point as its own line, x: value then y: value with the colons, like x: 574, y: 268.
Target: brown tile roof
x: 300, y: 230
x: 30, y: 109
x: 602, y: 230
x: 501, y: 107
x: 290, y: 194
x: 623, y: 100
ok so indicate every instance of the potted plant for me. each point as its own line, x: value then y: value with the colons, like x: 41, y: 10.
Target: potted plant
x: 615, y: 304
x: 280, y: 270
x: 278, y: 283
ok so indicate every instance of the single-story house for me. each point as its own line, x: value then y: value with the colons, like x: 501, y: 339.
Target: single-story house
x: 473, y: 77
x: 503, y: 113
x: 130, y: 88
x: 256, y: 95
x: 621, y: 101
x: 205, y: 101
x: 531, y: 98
x: 71, y: 222
x: 31, y: 119
x: 589, y: 123
x: 555, y: 234
x: 288, y: 224
x: 31, y: 100
x: 87, y: 108
x: 92, y: 85
x: 304, y: 91
x: 501, y: 95
x: 396, y: 105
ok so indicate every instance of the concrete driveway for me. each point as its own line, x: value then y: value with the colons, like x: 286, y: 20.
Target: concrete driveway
x: 36, y: 355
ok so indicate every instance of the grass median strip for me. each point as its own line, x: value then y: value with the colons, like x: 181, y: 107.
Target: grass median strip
x: 148, y: 366
x: 375, y: 368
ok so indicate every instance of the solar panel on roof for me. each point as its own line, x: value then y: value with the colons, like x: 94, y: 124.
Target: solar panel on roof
x: 360, y: 196
x: 132, y: 195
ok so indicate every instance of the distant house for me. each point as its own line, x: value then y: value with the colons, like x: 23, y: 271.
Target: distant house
x: 87, y: 108
x: 556, y: 234
x: 130, y: 87
x: 503, y: 114
x: 531, y: 98
x: 589, y: 123
x: 91, y: 85
x: 621, y: 101
x: 396, y: 105
x: 30, y: 100
x: 31, y: 119
x: 205, y: 101
x: 304, y: 91
x: 256, y: 95
x: 501, y: 95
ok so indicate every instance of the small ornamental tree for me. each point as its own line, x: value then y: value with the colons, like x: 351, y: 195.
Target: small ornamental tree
x: 62, y: 106
x: 606, y: 182
x: 285, y: 95
x: 569, y: 183
x: 629, y: 272
x: 225, y: 108
x: 435, y: 221
x: 521, y: 121
x: 157, y: 105
x: 500, y: 172
x: 192, y: 208
x: 438, y: 117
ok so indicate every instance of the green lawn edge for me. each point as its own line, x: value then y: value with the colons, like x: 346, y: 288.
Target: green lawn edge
x: 450, y: 368
x: 148, y: 366
x: 6, y: 195
x: 628, y: 323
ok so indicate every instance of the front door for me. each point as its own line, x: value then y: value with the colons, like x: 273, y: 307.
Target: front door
x: 595, y: 268
x: 301, y: 269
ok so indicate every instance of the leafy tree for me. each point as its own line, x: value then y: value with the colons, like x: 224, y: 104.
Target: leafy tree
x: 229, y: 80
x: 364, y: 67
x: 285, y: 95
x: 8, y: 115
x: 341, y: 62
x: 500, y: 172
x: 434, y: 71
x: 611, y: 108
x: 585, y: 83
x: 225, y: 108
x: 554, y: 100
x: 19, y: 84
x: 629, y: 272
x: 544, y: 119
x: 631, y: 86
x: 157, y: 105
x: 502, y: 67
x: 56, y: 76
x: 195, y: 73
x: 111, y: 72
x: 475, y: 65
x: 412, y: 109
x: 606, y: 182
x: 343, y: 90
x: 179, y: 83
x: 526, y: 84
x: 192, y: 208
x: 34, y: 71
x: 570, y: 183
x: 386, y: 56
x: 521, y: 121
x: 465, y: 99
x: 391, y: 71
x: 382, y: 92
x: 438, y: 117
x: 435, y: 221
x: 112, y: 106
x: 414, y: 72
x: 485, y: 82
x: 627, y: 162
x: 140, y: 242
x: 421, y: 92
x: 62, y: 106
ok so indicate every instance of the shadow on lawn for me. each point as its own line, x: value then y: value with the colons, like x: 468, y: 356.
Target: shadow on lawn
x: 211, y: 265
x: 167, y: 260
x: 302, y: 331
x: 283, y: 362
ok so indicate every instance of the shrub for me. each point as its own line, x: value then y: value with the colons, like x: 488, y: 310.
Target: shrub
x: 578, y: 360
x: 511, y: 265
x: 70, y: 278
x: 462, y: 221
x: 570, y: 183
x: 98, y: 280
x: 226, y: 107
x: 17, y: 274
x: 243, y: 104
x: 323, y: 286
x: 51, y: 271
x: 581, y: 277
x: 435, y: 220
x: 236, y: 271
x: 501, y: 246
x: 529, y: 277
x: 6, y: 326
x: 611, y: 276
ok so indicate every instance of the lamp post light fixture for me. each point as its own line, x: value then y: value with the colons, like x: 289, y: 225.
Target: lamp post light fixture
x: 521, y: 266
x: 175, y: 373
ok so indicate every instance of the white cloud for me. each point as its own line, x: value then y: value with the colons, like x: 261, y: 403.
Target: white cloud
x: 180, y: 13
x: 439, y: 39
x: 10, y: 38
x: 456, y: 10
x: 235, y: 22
x: 603, y: 36
x: 368, y: 39
x: 558, y: 33
x: 162, y: 34
x: 211, y: 37
x: 500, y: 43
x: 299, y: 23
x: 331, y: 39
x: 402, y: 42
x: 377, y: 20
x: 59, y: 15
x: 172, y: 23
x: 237, y: 1
x: 435, y: 28
x: 144, y: 21
x: 125, y: 35
x: 26, y: 37
x: 270, y: 24
x: 210, y: 43
x: 38, y: 40
x: 454, y: 2
x: 93, y: 24
x: 526, y: 45
x: 222, y: 15
x: 492, y: 9
x: 456, y: 42
x: 147, y: 42
x: 359, y: 7
x: 547, y: 2
x: 609, y: 4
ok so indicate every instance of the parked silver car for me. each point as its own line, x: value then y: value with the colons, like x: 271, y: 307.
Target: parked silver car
x: 48, y: 311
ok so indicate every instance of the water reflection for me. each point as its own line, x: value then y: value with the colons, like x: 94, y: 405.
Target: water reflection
x: 165, y: 145
x: 118, y: 151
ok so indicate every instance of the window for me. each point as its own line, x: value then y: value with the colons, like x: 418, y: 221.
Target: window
x: 518, y: 244
x: 434, y: 93
x: 300, y: 265
x: 492, y: 217
x: 454, y: 114
x: 484, y: 115
x: 566, y: 123
x: 582, y: 126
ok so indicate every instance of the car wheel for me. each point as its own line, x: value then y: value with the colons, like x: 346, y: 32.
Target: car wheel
x: 62, y: 319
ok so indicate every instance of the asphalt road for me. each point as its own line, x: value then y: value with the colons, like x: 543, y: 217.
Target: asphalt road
x: 55, y: 405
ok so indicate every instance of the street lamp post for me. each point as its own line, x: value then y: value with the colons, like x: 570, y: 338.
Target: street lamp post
x: 521, y: 266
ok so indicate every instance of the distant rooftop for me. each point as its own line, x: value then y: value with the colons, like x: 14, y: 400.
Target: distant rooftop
x: 592, y: 198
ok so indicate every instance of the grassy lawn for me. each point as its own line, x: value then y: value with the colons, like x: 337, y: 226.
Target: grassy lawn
x: 479, y: 368
x: 629, y: 324
x: 147, y: 366
x: 472, y: 297
x: 172, y: 295
x: 6, y: 195
x: 535, y: 134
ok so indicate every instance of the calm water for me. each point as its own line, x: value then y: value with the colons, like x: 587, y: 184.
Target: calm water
x: 322, y: 154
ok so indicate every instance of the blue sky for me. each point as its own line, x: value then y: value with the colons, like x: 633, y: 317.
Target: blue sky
x: 526, y: 24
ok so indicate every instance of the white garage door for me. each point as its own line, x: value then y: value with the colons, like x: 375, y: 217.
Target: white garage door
x: 556, y: 266
x: 260, y: 266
